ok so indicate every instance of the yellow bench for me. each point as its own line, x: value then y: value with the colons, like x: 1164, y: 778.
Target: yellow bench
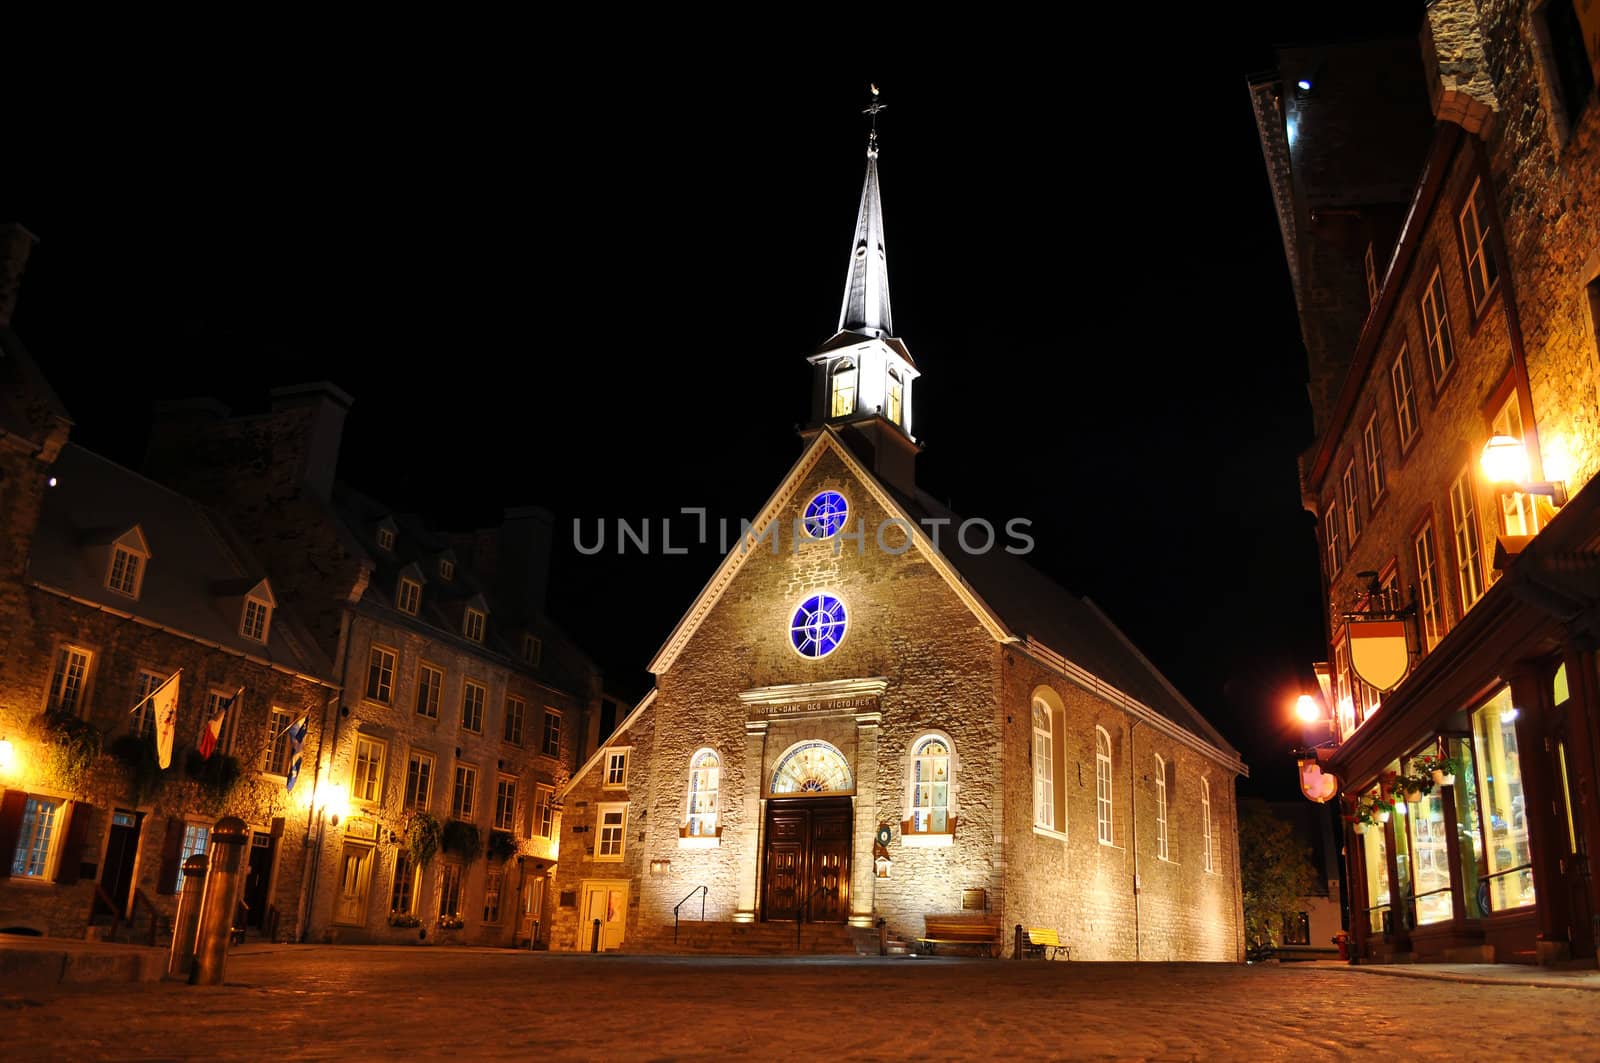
x: 1043, y: 942
x: 963, y: 928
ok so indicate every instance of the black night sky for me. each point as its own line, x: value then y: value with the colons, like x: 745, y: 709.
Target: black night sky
x: 588, y: 278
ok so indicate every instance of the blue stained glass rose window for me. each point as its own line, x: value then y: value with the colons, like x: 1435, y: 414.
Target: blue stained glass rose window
x: 826, y: 514
x: 818, y: 625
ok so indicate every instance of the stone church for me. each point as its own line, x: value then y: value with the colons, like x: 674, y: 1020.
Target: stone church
x: 858, y: 720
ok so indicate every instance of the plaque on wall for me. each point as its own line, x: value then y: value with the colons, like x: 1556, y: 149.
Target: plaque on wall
x: 361, y: 827
x: 975, y: 900
x: 569, y: 898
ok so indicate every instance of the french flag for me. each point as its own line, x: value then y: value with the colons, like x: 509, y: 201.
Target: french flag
x: 213, y: 727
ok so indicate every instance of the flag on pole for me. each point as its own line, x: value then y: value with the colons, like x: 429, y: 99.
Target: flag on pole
x: 297, y: 735
x: 164, y: 704
x: 213, y: 727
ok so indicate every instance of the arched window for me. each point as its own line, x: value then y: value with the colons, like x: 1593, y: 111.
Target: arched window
x: 930, y: 795
x: 1044, y: 786
x: 1102, y: 785
x: 813, y: 767
x: 842, y: 387
x: 1161, y: 809
x: 1205, y: 819
x: 705, y: 777
x: 896, y: 397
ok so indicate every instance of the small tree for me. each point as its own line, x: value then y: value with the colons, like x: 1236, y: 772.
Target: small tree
x: 1274, y: 873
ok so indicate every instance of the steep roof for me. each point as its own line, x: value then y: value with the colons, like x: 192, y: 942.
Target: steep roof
x: 198, y: 569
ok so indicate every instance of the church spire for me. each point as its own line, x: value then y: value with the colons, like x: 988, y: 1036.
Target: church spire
x: 866, y: 286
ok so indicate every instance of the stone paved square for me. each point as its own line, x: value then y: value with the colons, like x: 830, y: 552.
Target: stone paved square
x: 316, y: 1002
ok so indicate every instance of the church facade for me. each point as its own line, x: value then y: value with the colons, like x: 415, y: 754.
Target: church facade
x: 859, y: 719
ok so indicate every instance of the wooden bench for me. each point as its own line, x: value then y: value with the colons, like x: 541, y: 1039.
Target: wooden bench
x: 1044, y: 943
x: 977, y: 929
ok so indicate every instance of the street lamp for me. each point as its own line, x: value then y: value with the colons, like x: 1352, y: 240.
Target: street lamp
x: 1505, y: 465
x: 1307, y: 709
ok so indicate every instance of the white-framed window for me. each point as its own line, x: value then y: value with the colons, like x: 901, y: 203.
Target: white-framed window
x: 464, y: 800
x: 38, y: 838
x: 896, y: 394
x: 472, y: 626
x: 473, y: 697
x: 516, y: 712
x: 532, y: 650
x: 1102, y: 786
x: 1352, y: 501
x: 419, y: 780
x: 505, y: 802
x: 1429, y: 596
x: 611, y: 833
x: 705, y: 777
x: 842, y: 388
x: 544, y: 810
x: 491, y: 895
x: 1044, y: 783
x: 1162, y: 851
x: 69, y: 680
x: 275, y: 761
x: 1464, y: 522
x: 1330, y: 530
x: 930, y: 796
x: 126, y: 572
x: 1205, y: 822
x: 256, y: 619
x: 143, y: 722
x: 1341, y: 681
x: 1372, y: 448
x: 449, y: 891
x: 551, y: 745
x: 1517, y: 510
x: 616, y: 769
x: 385, y: 538
x: 447, y: 569
x: 1405, y: 396
x: 403, y: 893
x: 409, y: 597
x: 196, y: 836
x: 1477, y: 255
x: 430, y: 685
x: 366, y: 781
x: 1369, y: 268
x: 1436, y: 328
x: 380, y: 674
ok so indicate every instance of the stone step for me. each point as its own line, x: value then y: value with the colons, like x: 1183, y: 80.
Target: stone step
x: 775, y: 939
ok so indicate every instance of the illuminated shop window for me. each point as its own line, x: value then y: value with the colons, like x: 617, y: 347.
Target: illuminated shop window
x: 1507, y: 859
x: 817, y: 626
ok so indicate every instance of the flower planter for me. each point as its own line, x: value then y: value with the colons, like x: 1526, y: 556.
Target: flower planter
x: 1449, y: 780
x: 1383, y: 815
x: 1438, y: 778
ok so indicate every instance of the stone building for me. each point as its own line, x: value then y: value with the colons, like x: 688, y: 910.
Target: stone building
x: 111, y: 584
x: 463, y: 706
x: 1450, y: 475
x: 868, y: 714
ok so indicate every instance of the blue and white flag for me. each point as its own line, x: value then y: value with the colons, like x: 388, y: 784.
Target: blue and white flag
x: 297, y: 735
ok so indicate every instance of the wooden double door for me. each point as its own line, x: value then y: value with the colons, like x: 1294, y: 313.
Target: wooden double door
x: 807, y: 860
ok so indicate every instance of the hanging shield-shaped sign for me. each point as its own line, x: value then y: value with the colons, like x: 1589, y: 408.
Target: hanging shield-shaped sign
x: 1378, y: 651
x: 1317, y: 784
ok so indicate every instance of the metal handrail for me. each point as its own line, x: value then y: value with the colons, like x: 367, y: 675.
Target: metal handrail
x: 805, y: 910
x: 702, y: 890
x: 111, y: 906
x: 1507, y: 871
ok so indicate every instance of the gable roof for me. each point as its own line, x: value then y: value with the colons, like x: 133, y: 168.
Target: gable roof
x: 1013, y: 601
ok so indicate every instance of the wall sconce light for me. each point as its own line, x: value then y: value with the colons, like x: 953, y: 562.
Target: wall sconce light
x: 8, y: 757
x: 659, y: 867
x: 1505, y: 465
x: 1307, y: 709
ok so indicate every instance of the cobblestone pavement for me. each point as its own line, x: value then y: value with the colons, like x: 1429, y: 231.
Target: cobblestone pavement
x: 319, y: 1002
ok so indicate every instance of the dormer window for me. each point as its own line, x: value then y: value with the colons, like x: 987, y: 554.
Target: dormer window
x: 409, y: 596
x: 447, y: 568
x: 473, y: 626
x: 842, y: 386
x: 257, y: 616
x: 127, y: 570
x: 386, y: 534
x: 532, y: 649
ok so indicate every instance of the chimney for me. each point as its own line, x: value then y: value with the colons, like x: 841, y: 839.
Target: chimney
x: 15, y: 244
x: 324, y: 407
x: 524, y: 561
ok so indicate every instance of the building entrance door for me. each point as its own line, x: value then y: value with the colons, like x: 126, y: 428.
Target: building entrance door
x: 355, y: 873
x: 607, y: 903
x: 1574, y: 859
x: 122, y: 851
x: 260, y: 874
x: 807, y: 860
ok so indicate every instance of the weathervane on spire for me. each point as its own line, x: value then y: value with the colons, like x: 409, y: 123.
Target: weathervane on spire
x: 872, y: 110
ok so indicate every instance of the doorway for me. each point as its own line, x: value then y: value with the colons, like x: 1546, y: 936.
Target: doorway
x: 122, y: 856
x: 606, y: 901
x: 355, y: 873
x: 258, y: 877
x: 807, y: 861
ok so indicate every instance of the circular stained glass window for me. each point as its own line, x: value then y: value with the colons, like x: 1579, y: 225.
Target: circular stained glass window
x: 825, y: 514
x: 818, y: 625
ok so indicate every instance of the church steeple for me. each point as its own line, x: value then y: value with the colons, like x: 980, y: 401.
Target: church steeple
x: 863, y: 373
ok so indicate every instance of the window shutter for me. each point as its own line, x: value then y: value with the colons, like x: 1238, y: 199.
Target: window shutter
x: 1058, y: 738
x: 10, y: 828
x: 69, y: 866
x: 171, y: 850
